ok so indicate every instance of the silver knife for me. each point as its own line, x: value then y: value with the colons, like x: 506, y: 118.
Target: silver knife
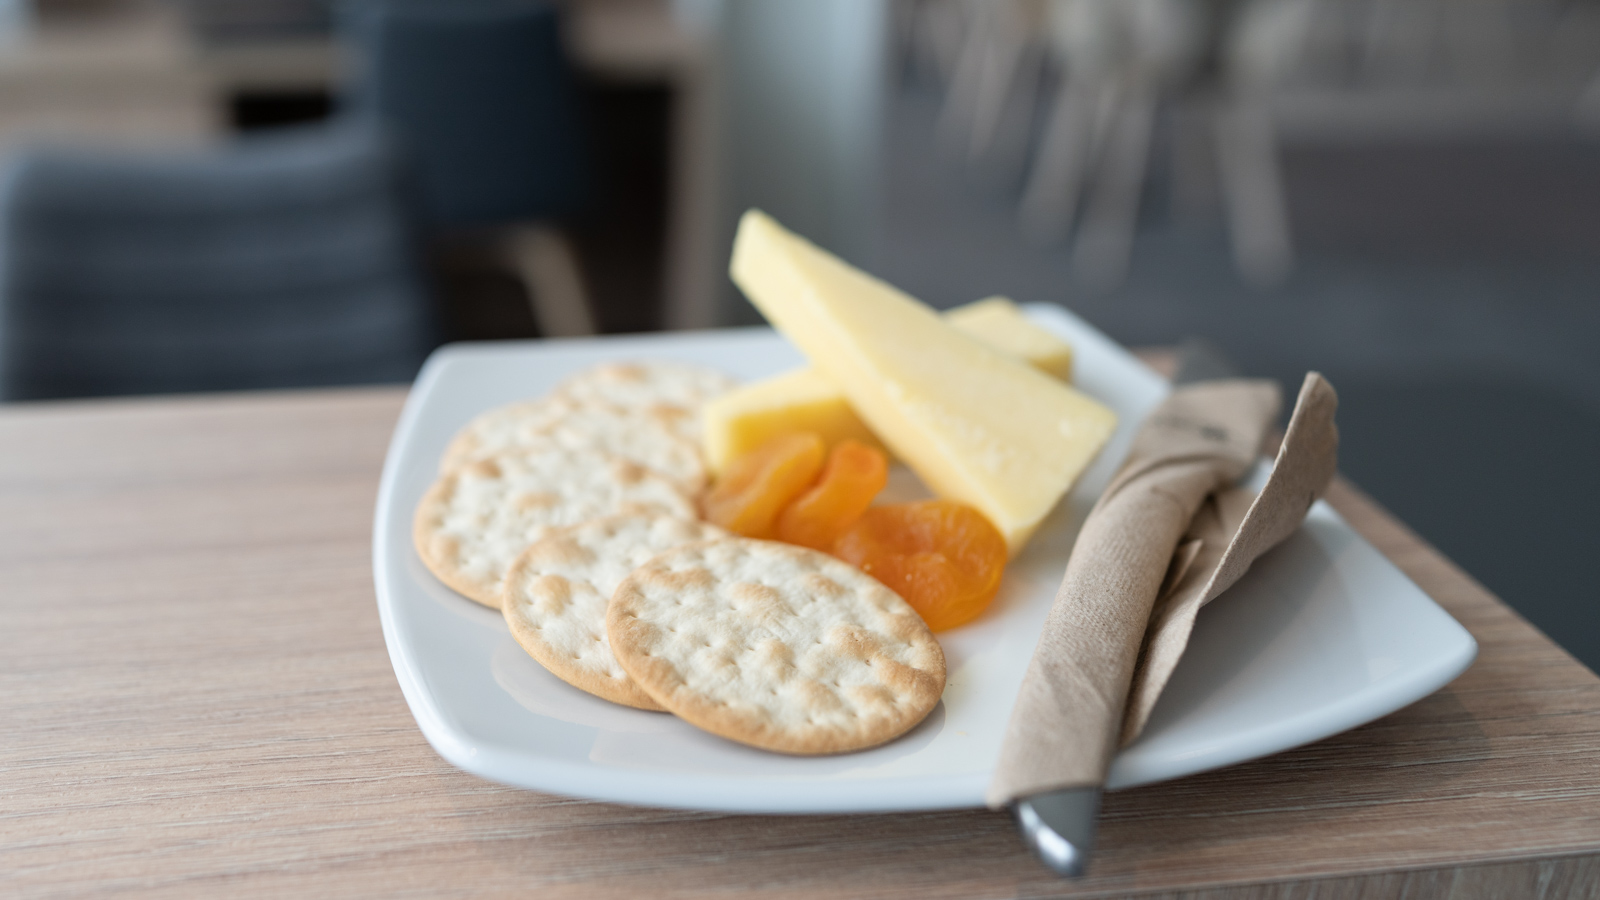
x: 1060, y: 825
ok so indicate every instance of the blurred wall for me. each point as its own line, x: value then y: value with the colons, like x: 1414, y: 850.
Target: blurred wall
x: 803, y: 88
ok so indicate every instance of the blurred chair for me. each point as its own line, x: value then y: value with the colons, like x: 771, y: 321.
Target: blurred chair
x: 275, y: 262
x: 482, y: 99
x: 1262, y: 44
x: 1119, y: 60
x: 993, y: 71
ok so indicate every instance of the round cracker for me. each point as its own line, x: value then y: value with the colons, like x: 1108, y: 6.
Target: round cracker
x: 672, y: 389
x: 647, y: 437
x: 775, y: 646
x: 554, y: 596
x: 499, y: 429
x: 475, y: 521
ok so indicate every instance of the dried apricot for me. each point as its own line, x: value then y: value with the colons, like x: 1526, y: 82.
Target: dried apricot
x: 854, y: 474
x: 942, y: 556
x: 757, y: 486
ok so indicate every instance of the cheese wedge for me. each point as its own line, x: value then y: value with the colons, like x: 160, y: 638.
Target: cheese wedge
x: 743, y: 419
x: 748, y: 416
x: 999, y: 323
x: 977, y: 425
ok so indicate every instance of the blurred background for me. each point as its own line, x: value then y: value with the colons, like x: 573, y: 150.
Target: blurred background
x: 1403, y: 194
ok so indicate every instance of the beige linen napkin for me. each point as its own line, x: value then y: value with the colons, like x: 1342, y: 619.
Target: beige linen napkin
x: 1170, y: 533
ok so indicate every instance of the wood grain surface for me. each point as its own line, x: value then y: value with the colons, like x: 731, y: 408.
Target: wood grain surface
x: 196, y: 699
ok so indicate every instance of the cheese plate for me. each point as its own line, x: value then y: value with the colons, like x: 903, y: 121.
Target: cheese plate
x: 1323, y: 634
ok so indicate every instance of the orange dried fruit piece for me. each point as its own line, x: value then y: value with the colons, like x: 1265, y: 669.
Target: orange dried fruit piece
x: 854, y: 474
x: 748, y: 497
x: 943, y: 557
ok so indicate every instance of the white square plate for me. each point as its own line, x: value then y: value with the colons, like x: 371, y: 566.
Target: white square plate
x: 1322, y: 635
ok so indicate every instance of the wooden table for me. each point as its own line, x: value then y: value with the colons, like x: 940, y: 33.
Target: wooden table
x: 196, y: 700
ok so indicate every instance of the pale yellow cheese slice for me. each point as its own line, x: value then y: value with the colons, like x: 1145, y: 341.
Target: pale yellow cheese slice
x: 999, y: 323
x: 976, y: 424
x: 748, y: 416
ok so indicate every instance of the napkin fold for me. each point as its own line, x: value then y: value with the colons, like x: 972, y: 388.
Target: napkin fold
x: 1171, y: 532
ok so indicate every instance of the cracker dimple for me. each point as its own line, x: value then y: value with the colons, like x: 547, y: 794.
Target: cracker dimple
x: 561, y: 550
x: 473, y: 523
x: 549, y: 595
x: 556, y: 593
x: 855, y: 642
x: 536, y: 502
x: 820, y: 700
x: 686, y: 580
x: 875, y: 698
x: 759, y: 602
x: 775, y: 646
x: 899, y: 677
x: 823, y: 586
x: 776, y: 661
x: 670, y: 392
x: 498, y: 430
x: 652, y: 439
x: 646, y: 440
x: 648, y: 384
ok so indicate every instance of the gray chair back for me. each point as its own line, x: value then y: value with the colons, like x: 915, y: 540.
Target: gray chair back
x: 483, y: 100
x: 278, y: 261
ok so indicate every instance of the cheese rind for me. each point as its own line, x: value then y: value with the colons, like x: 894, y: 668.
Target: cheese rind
x: 748, y: 416
x: 976, y: 424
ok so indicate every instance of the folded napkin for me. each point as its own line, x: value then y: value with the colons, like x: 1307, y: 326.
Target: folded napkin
x: 1170, y: 533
